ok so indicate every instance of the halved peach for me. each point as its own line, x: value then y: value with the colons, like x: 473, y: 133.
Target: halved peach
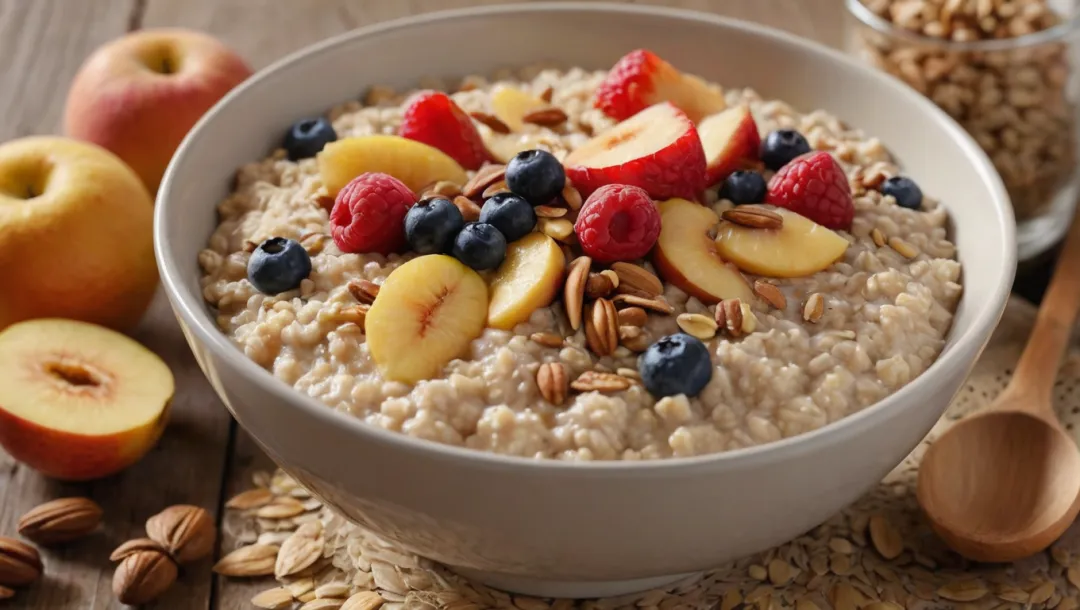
x: 528, y: 278
x: 79, y: 401
x: 414, y: 163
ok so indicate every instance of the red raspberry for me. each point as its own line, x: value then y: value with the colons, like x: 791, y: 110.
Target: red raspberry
x: 434, y: 119
x: 618, y: 222
x: 814, y: 186
x: 369, y: 214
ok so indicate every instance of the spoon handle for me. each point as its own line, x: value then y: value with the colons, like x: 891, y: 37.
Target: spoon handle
x: 1038, y: 366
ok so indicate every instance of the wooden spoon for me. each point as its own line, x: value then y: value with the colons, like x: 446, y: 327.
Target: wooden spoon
x: 1004, y: 484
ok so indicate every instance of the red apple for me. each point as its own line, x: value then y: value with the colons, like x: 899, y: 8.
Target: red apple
x: 641, y: 78
x: 731, y: 141
x: 140, y: 94
x: 657, y: 149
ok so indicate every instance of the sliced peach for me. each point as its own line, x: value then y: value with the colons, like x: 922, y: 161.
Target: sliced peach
x: 414, y: 163
x: 686, y: 256
x: 79, y: 401
x: 427, y: 312
x: 730, y: 140
x: 528, y: 278
x: 800, y: 247
x: 511, y: 105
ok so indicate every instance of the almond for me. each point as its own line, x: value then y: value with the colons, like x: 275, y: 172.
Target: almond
x: 754, y: 217
x: 552, y: 381
x: 484, y: 177
x: 468, y: 208
x: 549, y: 211
x: 493, y: 122
x: 637, y: 281
x: 571, y: 196
x: 499, y: 186
x: 252, y: 498
x: 574, y: 289
x: 598, y: 286
x: 771, y: 294
x: 364, y: 291
x: 547, y: 339
x: 187, y: 532
x: 20, y: 563
x: 633, y: 316
x: 697, y: 325
x: 61, y: 520
x: 657, y: 304
x: 546, y: 117
x: 142, y: 576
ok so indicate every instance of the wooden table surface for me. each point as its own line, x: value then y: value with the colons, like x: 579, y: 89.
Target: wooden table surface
x: 203, y: 458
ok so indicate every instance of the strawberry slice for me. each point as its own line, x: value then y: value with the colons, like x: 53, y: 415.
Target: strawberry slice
x: 641, y: 79
x: 814, y: 185
x: 434, y: 119
x: 657, y: 149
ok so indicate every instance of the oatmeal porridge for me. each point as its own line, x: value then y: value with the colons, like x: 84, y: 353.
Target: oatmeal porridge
x: 584, y: 265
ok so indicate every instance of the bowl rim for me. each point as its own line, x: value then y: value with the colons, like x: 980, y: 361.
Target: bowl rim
x: 190, y: 307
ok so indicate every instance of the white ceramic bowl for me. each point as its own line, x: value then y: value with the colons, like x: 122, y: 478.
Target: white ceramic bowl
x: 547, y: 527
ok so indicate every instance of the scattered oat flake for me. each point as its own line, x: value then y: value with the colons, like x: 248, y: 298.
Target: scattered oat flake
x: 301, y: 550
x: 758, y: 572
x: 247, y: 561
x: 1042, y: 593
x: 281, y: 508
x: 1073, y: 574
x: 273, y: 599
x: 332, y: 589
x: 323, y: 604
x: 964, y: 590
x: 252, y: 498
x: 780, y: 572
x: 365, y: 600
x: 841, y: 545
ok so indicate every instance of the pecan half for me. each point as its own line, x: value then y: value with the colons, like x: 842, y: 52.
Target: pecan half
x: 602, y: 328
x: 552, y: 380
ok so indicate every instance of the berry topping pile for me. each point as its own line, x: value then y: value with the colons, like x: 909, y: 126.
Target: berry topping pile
x: 681, y: 184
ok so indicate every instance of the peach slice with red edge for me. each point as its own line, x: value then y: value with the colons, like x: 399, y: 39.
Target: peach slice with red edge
x: 427, y: 313
x: 657, y: 149
x: 414, y: 163
x: 79, y: 401
x: 528, y: 278
x: 731, y: 141
x: 799, y: 248
x: 686, y: 256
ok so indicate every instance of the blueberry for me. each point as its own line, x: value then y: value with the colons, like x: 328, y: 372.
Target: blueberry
x: 307, y: 137
x: 480, y: 246
x: 430, y: 225
x: 676, y: 364
x: 536, y: 175
x: 906, y: 192
x: 781, y: 146
x: 278, y: 265
x: 510, y: 214
x: 744, y: 186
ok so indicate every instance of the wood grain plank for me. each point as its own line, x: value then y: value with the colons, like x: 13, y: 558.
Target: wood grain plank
x: 43, y: 43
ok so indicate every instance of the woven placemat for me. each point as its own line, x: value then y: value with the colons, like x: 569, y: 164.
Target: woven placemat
x: 877, y: 554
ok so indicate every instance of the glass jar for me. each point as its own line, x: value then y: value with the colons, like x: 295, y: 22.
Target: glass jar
x: 1016, y: 93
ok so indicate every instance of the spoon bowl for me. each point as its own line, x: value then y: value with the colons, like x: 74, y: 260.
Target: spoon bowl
x: 1002, y: 485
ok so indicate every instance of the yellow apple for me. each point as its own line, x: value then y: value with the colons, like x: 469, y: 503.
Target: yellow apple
x: 79, y: 401
x: 414, y: 163
x: 75, y: 234
x: 528, y: 278
x: 139, y: 95
x: 686, y: 256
